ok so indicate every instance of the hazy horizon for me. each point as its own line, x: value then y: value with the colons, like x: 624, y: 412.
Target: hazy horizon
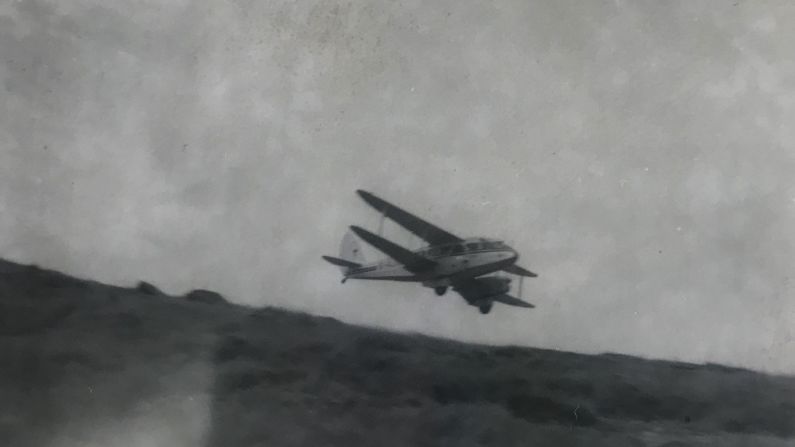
x: 639, y: 155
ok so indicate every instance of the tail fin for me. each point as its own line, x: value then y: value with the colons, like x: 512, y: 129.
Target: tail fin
x: 350, y: 250
x: 350, y: 254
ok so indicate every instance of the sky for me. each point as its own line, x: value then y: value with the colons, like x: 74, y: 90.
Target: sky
x: 639, y: 155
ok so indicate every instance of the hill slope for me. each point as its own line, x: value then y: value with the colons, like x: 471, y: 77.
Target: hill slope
x: 91, y: 364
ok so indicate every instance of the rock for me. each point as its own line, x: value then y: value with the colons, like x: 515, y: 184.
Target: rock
x: 148, y: 288
x: 205, y: 296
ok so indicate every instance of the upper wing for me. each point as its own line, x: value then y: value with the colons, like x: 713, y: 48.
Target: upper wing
x: 516, y: 270
x: 429, y: 232
x: 412, y: 261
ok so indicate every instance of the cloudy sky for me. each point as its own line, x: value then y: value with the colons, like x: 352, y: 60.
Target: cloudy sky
x: 639, y: 155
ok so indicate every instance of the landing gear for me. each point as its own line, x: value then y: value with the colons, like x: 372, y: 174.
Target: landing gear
x: 485, y: 308
x: 440, y: 290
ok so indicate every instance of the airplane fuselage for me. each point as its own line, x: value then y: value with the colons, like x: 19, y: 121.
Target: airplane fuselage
x: 466, y: 259
x: 449, y: 261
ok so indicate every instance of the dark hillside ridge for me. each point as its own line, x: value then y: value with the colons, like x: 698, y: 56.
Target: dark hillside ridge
x: 285, y: 378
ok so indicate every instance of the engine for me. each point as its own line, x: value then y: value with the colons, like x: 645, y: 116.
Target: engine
x: 495, y: 285
x: 489, y: 287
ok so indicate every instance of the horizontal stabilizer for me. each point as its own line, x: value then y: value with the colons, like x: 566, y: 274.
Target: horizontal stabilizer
x: 512, y: 301
x: 516, y: 270
x: 412, y: 261
x: 342, y: 262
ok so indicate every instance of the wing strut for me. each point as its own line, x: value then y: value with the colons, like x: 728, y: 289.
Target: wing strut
x: 381, y: 223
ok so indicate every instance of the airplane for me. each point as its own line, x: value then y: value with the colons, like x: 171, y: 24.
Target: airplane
x: 448, y: 261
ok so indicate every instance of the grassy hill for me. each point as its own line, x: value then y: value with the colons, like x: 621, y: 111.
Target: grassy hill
x: 87, y: 364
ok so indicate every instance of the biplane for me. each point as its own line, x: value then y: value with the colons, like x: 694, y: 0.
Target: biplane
x: 448, y: 261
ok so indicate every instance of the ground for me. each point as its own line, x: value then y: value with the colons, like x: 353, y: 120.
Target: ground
x: 88, y: 364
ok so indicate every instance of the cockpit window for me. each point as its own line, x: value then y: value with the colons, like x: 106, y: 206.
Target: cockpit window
x: 457, y: 249
x: 473, y: 246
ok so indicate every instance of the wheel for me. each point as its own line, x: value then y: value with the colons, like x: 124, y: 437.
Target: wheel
x: 440, y: 290
x: 485, y: 308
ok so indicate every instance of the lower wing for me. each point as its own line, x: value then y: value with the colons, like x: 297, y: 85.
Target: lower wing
x: 512, y: 301
x: 478, y: 290
x: 412, y: 261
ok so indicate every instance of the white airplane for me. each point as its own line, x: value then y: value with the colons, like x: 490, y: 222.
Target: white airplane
x: 448, y: 260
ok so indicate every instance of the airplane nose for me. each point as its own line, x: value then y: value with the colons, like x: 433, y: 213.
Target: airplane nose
x: 508, y: 254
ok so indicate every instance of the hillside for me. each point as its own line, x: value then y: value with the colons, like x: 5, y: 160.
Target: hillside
x: 87, y: 364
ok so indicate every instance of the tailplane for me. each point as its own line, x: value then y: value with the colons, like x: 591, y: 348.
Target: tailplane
x: 350, y: 257
x: 341, y: 262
